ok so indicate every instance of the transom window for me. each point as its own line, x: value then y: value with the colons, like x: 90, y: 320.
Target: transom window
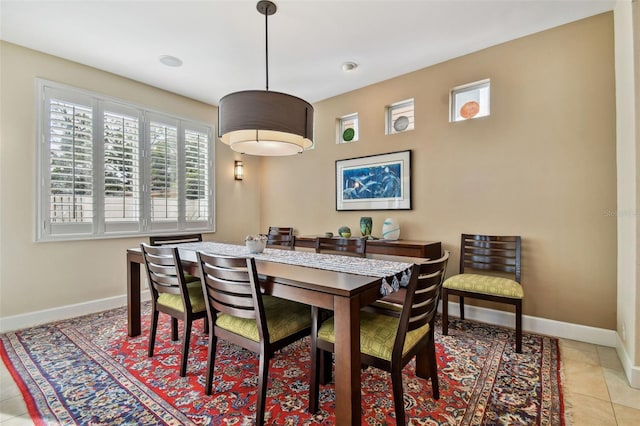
x: 108, y: 168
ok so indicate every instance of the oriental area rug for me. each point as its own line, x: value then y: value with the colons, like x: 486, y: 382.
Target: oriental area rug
x: 87, y: 371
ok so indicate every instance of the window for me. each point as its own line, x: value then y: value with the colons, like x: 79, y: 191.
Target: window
x: 400, y: 117
x: 470, y: 101
x: 108, y: 168
x: 348, y: 128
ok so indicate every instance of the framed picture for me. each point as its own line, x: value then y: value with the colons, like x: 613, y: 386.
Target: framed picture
x: 375, y: 182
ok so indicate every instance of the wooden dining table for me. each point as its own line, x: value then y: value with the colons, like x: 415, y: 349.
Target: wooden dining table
x: 343, y: 293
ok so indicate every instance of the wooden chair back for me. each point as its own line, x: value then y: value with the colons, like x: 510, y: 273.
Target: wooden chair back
x: 161, y: 240
x: 348, y: 246
x: 164, y: 272
x: 423, y: 294
x: 281, y: 237
x: 231, y: 286
x: 491, y: 253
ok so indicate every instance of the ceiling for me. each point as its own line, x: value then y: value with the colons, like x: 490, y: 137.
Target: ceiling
x: 222, y: 43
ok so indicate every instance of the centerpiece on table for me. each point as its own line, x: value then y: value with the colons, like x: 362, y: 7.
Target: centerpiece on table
x: 256, y: 243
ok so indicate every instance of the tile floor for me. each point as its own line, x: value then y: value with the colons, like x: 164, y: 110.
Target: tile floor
x: 595, y: 388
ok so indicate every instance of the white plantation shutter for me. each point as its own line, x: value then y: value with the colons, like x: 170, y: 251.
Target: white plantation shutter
x: 121, y: 169
x: 68, y: 200
x: 108, y: 168
x: 164, y: 172
x: 196, y: 175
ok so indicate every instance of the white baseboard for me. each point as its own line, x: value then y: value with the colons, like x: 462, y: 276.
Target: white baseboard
x: 565, y: 330
x: 631, y: 371
x: 31, y: 319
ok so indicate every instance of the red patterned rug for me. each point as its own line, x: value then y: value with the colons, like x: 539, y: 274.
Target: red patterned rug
x: 87, y: 371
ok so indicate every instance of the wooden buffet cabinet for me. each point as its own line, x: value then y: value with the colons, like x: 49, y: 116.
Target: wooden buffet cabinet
x: 409, y: 248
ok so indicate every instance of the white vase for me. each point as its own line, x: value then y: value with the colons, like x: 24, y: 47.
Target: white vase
x: 390, y: 229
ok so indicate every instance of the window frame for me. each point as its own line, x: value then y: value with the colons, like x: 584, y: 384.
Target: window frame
x: 341, y: 127
x: 476, y: 86
x: 99, y: 228
x: 390, y: 113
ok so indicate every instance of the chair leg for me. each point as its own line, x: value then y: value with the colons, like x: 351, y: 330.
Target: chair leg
x: 519, y: 326
x: 152, y: 332
x: 445, y: 312
x: 206, y: 325
x: 185, y: 347
x: 433, y: 367
x: 174, y: 329
x: 398, y: 395
x: 211, y: 362
x: 262, y: 387
x: 326, y: 367
x: 461, y: 307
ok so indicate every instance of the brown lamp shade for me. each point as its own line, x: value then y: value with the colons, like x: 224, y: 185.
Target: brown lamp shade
x: 260, y: 122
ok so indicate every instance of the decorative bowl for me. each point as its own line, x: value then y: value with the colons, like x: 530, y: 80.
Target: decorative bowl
x: 256, y: 246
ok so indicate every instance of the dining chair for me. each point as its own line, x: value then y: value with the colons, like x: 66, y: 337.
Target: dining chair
x: 342, y: 246
x: 346, y: 246
x: 281, y: 237
x: 238, y: 312
x: 483, y: 261
x: 161, y: 240
x: 389, y: 342
x: 173, y: 295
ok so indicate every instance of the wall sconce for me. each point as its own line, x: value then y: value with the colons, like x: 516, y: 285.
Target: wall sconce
x: 238, y: 170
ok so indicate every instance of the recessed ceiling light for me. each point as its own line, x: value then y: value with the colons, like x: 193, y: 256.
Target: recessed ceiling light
x: 349, y: 66
x: 170, y: 61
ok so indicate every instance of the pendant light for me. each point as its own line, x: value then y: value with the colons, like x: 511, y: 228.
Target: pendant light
x: 261, y: 122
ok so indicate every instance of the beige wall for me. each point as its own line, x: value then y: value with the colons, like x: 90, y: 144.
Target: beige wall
x: 543, y: 165
x: 38, y: 276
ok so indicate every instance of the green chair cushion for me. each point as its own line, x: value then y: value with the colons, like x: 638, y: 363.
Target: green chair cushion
x: 284, y: 318
x: 190, y: 278
x: 485, y: 284
x: 174, y: 301
x: 377, y: 334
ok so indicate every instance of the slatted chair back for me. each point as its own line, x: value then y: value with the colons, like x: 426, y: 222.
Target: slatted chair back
x: 281, y: 237
x: 421, y: 300
x: 162, y: 272
x: 231, y: 287
x: 348, y: 246
x: 161, y: 240
x: 491, y: 253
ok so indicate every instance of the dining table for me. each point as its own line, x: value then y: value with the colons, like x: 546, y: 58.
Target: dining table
x: 344, y: 293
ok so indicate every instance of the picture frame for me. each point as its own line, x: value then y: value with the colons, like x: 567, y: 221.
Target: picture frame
x: 374, y: 182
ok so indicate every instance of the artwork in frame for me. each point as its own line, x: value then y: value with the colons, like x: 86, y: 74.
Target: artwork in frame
x: 375, y: 182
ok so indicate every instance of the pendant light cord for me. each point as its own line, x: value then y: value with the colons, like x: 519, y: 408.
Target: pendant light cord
x: 266, y: 46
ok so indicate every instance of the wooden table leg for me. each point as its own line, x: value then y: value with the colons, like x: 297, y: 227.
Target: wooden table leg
x: 133, y: 295
x: 347, y: 358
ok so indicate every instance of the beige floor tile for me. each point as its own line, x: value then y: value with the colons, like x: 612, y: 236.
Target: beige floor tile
x: 579, y: 351
x: 585, y: 379
x: 609, y: 358
x: 585, y: 410
x: 8, y: 388
x: 12, y: 407
x: 626, y: 416
x: 18, y: 421
x: 619, y: 390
